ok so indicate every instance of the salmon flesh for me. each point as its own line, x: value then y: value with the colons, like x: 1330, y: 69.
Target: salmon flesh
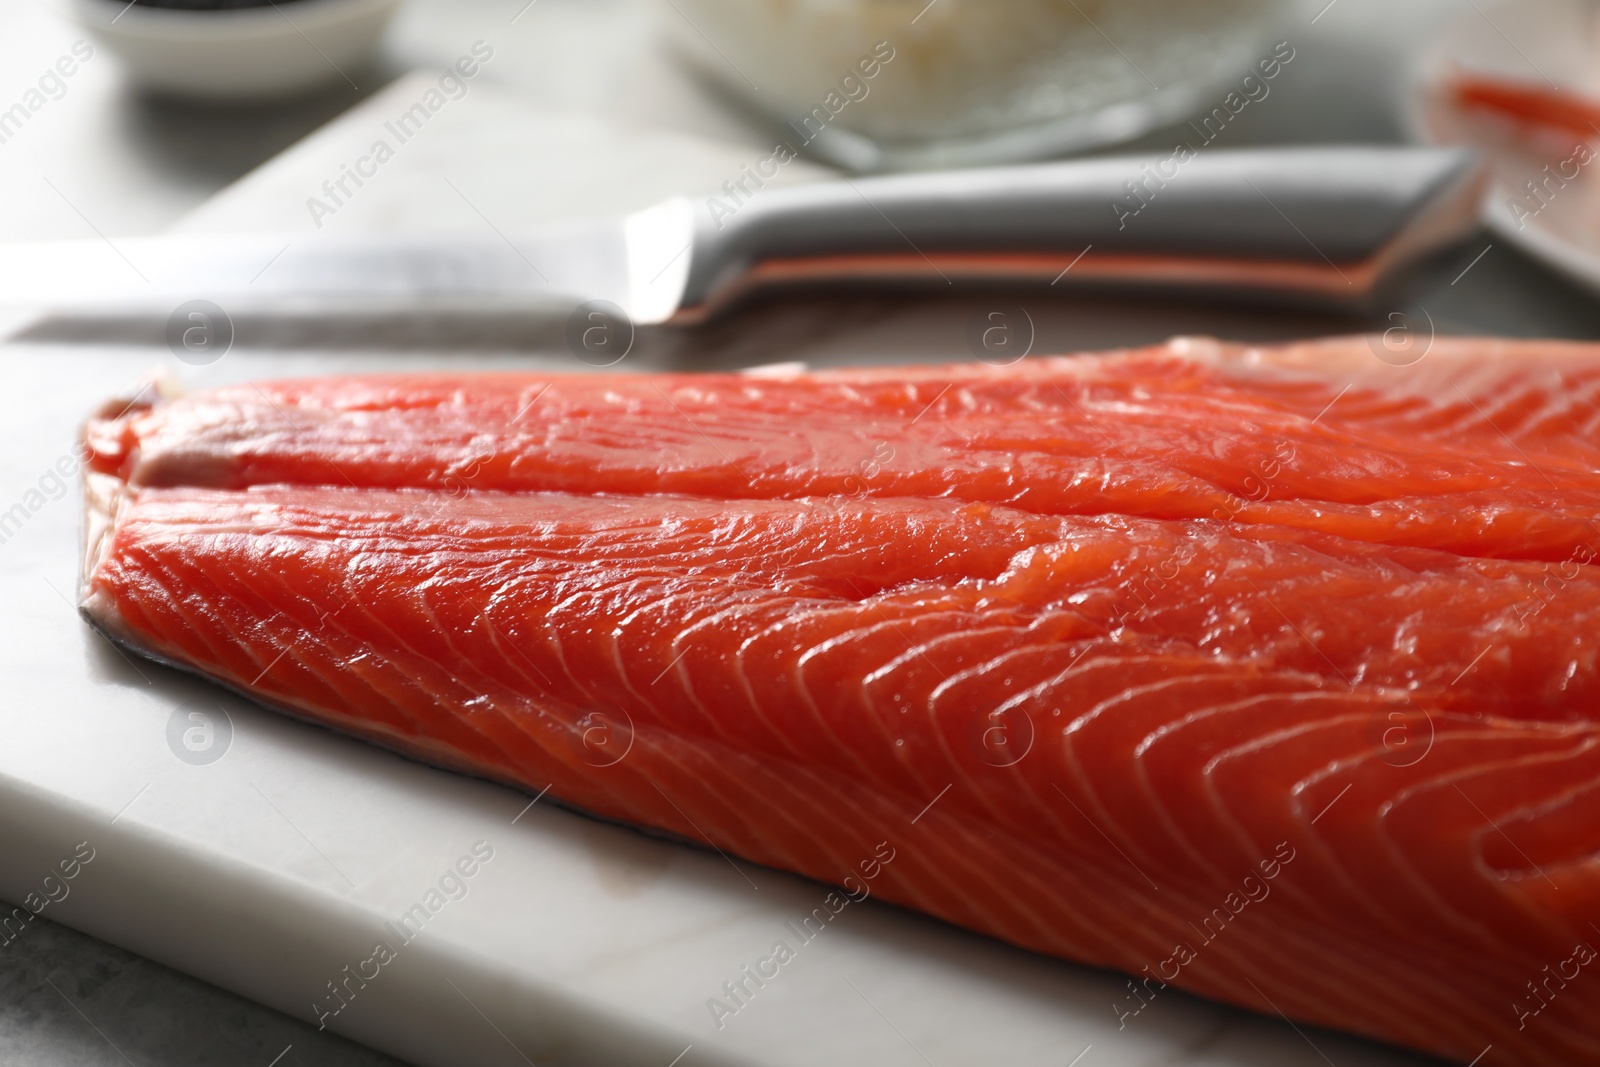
x: 1263, y: 673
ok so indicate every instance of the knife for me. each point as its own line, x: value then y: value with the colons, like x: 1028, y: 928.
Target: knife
x: 1325, y: 224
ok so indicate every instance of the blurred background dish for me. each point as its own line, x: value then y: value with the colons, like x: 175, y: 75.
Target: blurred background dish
x: 962, y: 82
x: 238, y: 53
x: 1519, y: 80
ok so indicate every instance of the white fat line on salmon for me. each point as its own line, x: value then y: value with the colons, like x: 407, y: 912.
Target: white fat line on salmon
x: 294, y: 634
x: 404, y: 127
x: 738, y: 991
x: 1554, y: 979
x: 52, y: 890
x: 910, y: 644
x: 1105, y: 835
x: 1496, y: 826
x: 452, y: 885
x: 657, y: 679
x: 512, y: 645
x: 1252, y: 890
x: 1142, y: 191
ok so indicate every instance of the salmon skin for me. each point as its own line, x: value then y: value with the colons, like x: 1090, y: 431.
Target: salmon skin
x: 1263, y: 673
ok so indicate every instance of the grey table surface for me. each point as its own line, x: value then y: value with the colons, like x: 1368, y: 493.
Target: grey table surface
x: 107, y: 158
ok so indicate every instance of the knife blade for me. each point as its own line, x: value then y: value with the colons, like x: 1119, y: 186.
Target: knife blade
x: 1325, y: 224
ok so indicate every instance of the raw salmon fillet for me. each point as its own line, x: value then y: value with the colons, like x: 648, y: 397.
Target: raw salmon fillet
x: 1263, y: 673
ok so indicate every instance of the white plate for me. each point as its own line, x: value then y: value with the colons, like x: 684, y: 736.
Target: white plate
x: 1545, y: 44
x: 245, y: 54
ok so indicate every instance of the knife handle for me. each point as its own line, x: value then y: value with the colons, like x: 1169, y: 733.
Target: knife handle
x: 1324, y: 222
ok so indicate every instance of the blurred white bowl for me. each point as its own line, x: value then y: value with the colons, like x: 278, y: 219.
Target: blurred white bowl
x: 238, y: 54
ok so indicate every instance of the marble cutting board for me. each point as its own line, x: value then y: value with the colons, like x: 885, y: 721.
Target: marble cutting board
x: 271, y: 857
